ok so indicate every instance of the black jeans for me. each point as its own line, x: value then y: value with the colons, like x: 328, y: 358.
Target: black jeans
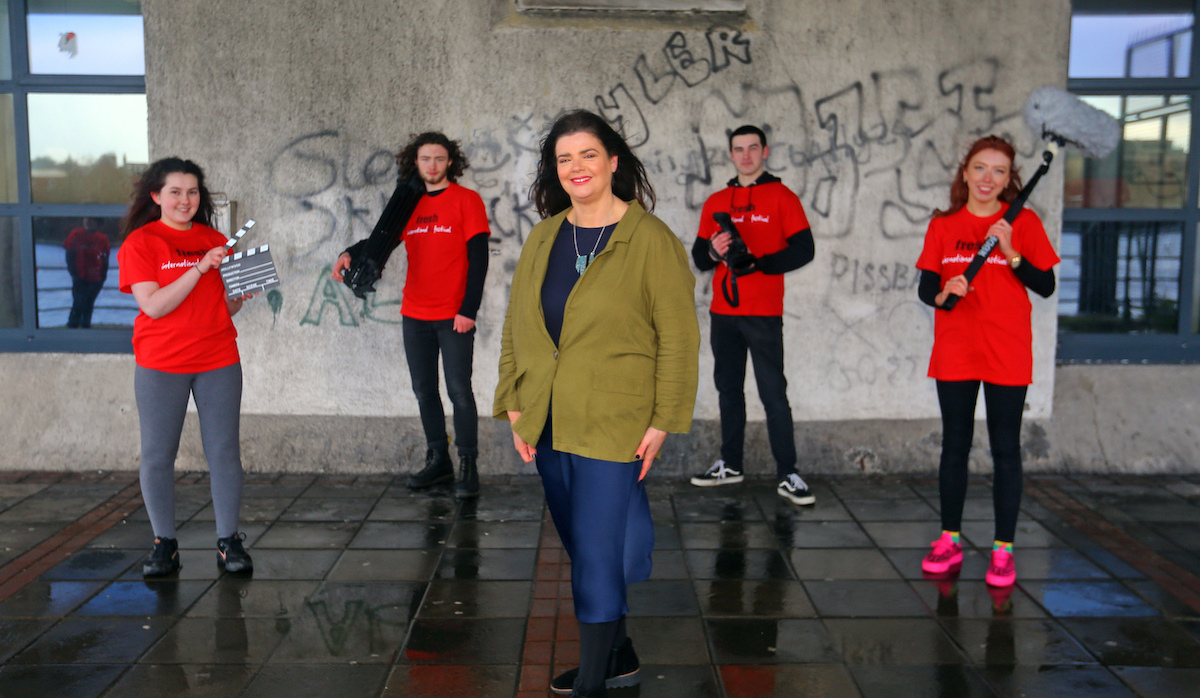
x: 1005, y: 406
x: 423, y: 339
x: 731, y: 337
x: 83, y: 300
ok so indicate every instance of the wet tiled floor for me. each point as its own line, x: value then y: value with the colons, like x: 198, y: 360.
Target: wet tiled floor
x: 364, y: 588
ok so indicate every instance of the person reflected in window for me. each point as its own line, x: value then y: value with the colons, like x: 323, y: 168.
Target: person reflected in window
x: 987, y: 338
x: 87, y: 250
x: 184, y: 343
x: 599, y: 360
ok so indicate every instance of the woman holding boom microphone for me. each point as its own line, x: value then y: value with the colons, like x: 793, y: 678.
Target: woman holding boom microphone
x: 987, y: 338
x: 184, y: 343
x: 599, y: 361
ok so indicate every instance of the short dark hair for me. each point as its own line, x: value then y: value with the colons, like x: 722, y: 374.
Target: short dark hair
x: 406, y: 159
x: 748, y: 128
x: 629, y: 182
x: 143, y: 210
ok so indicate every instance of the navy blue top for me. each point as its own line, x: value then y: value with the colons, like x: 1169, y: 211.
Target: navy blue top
x: 561, y: 274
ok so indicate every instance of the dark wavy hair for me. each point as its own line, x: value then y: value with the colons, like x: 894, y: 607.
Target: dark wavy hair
x: 748, y: 129
x: 406, y: 159
x: 629, y: 182
x: 958, y: 187
x: 143, y: 210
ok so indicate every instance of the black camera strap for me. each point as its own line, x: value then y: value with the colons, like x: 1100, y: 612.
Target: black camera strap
x: 730, y: 281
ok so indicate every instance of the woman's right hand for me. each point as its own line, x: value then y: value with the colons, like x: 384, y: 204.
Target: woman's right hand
x: 524, y: 450
x: 211, y: 259
x: 957, y: 286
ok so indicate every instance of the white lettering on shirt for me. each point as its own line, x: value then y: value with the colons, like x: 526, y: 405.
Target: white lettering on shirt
x: 755, y: 218
x: 178, y: 265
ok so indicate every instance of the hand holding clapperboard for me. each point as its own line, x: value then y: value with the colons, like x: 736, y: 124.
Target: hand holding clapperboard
x: 248, y: 272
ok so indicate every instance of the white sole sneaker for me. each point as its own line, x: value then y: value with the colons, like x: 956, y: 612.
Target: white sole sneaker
x: 699, y: 481
x: 800, y: 499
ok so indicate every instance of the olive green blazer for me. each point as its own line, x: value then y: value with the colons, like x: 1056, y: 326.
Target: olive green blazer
x: 629, y: 350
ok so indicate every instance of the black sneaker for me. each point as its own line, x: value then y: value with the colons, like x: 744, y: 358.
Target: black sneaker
x: 623, y: 670
x: 232, y: 556
x: 718, y: 474
x: 163, y: 560
x: 438, y: 468
x: 794, y: 489
x: 467, y: 486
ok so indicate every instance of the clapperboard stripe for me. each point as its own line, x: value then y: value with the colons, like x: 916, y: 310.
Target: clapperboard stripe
x: 238, y: 235
x: 251, y: 271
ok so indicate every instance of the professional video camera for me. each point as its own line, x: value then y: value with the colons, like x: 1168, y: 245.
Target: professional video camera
x: 737, y: 258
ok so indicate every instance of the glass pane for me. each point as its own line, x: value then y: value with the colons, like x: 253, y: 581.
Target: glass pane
x: 10, y: 274
x: 86, y: 148
x: 1134, y: 45
x: 5, y: 44
x: 1148, y: 169
x: 76, y: 263
x: 8, y: 151
x: 1120, y: 277
x: 86, y: 37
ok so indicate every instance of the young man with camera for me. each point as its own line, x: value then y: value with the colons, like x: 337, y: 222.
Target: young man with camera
x: 753, y: 232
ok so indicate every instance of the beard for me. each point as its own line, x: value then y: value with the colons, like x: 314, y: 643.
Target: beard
x: 433, y: 179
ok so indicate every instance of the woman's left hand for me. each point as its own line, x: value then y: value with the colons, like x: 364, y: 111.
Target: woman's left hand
x: 1002, y: 230
x: 648, y: 449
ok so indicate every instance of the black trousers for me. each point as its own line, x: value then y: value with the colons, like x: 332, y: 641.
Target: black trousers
x: 423, y: 339
x: 1005, y: 407
x: 732, y: 336
x: 83, y: 300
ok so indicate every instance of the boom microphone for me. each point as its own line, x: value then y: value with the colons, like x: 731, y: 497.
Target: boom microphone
x: 1059, y: 116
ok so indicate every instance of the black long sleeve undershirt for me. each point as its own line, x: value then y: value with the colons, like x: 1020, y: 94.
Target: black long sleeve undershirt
x: 477, y: 266
x: 800, y: 250
x: 1040, y: 281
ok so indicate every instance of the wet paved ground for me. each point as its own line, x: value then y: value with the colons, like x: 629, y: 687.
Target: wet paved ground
x: 363, y: 588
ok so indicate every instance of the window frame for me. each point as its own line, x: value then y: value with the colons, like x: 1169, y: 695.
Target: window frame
x: 1184, y: 345
x: 29, y: 337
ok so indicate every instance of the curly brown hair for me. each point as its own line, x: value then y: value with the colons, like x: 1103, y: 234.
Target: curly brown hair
x: 406, y: 159
x: 958, y: 187
x: 143, y: 210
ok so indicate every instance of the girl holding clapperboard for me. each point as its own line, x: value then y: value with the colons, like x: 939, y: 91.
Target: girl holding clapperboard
x: 184, y: 343
x: 987, y: 338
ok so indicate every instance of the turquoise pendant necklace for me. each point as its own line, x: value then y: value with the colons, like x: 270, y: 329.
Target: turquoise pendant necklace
x: 583, y: 260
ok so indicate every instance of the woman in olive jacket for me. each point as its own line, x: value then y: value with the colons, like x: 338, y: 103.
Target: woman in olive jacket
x: 599, y: 361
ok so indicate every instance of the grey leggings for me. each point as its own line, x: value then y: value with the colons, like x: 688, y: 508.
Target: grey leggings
x: 162, y: 400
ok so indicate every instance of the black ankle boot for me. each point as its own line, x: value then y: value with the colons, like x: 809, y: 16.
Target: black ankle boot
x: 438, y: 468
x: 467, y: 486
x: 623, y: 668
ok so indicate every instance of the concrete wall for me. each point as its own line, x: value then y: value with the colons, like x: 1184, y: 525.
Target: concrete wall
x: 295, y: 108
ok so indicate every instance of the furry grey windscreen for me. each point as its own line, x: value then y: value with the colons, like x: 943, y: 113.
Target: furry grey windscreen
x: 1052, y: 111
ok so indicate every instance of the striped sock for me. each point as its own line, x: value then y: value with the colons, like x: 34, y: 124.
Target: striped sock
x: 954, y: 535
x: 1001, y: 545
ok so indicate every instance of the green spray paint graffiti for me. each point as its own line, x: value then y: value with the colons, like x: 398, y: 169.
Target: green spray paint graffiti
x: 330, y: 294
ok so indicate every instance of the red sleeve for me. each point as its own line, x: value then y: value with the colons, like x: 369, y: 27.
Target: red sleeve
x: 931, y: 253
x: 136, y: 261
x: 475, y: 220
x: 1033, y: 245
x: 794, y: 219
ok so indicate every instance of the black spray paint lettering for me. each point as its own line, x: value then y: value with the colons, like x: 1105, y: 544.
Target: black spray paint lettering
x: 862, y: 276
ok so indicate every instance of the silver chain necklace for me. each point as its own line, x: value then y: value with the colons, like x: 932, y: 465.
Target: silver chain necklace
x: 582, y: 261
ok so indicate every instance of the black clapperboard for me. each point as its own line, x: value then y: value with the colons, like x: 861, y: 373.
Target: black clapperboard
x: 252, y: 271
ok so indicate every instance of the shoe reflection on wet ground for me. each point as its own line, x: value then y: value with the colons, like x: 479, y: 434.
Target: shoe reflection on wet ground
x: 362, y: 587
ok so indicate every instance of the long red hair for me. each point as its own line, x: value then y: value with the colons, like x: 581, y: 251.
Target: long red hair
x: 958, y: 187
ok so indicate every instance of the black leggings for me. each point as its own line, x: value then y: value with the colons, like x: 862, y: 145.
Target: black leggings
x: 1005, y: 405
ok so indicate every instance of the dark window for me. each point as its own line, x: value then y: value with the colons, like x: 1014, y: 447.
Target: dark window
x: 1128, y: 281
x: 73, y: 135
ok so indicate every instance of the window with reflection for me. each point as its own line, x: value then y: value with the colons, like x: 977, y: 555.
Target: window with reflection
x: 1120, y: 277
x: 5, y: 43
x: 86, y: 37
x: 1143, y: 39
x: 76, y: 274
x: 1147, y: 169
x: 8, y: 151
x: 86, y: 148
x: 10, y: 275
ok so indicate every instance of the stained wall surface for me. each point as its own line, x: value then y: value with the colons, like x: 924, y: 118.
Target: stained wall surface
x: 295, y: 109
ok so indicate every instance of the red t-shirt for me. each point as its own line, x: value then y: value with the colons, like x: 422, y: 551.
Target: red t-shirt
x: 765, y: 215
x: 91, y: 250
x: 987, y: 336
x: 436, y: 237
x: 198, y: 335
